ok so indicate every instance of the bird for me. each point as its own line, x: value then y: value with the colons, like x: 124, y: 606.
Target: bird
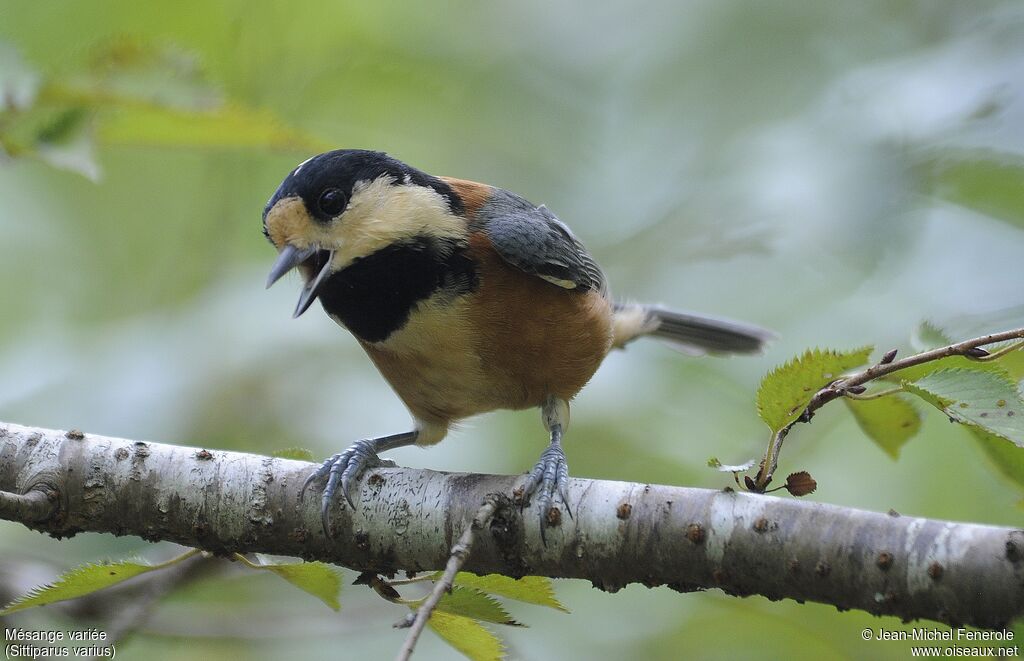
x: 466, y: 297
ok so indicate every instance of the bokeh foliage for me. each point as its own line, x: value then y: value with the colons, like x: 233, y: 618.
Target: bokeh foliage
x: 836, y: 171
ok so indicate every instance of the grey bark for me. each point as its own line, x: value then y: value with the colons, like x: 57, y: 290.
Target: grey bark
x: 408, y: 520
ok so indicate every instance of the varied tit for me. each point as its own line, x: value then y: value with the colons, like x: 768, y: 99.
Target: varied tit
x: 467, y: 298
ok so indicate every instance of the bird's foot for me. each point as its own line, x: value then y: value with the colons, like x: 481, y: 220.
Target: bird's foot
x: 343, y: 468
x: 548, y: 478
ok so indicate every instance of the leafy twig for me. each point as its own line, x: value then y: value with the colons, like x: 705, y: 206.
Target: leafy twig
x: 851, y: 384
x: 459, y: 554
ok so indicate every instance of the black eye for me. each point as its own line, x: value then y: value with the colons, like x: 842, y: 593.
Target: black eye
x: 332, y: 202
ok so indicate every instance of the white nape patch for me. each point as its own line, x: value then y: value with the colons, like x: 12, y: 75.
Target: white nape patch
x: 406, y: 179
x: 296, y: 170
x: 381, y: 213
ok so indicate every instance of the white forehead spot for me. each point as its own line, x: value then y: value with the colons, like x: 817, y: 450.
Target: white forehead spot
x: 296, y: 170
x: 406, y: 179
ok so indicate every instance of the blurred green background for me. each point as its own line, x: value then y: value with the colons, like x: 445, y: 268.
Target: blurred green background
x: 836, y: 171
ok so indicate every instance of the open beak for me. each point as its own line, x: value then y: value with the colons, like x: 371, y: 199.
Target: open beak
x: 289, y: 258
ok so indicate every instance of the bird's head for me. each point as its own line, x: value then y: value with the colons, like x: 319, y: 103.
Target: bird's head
x: 344, y: 205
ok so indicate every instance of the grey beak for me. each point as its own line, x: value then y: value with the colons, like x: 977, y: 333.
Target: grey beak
x: 309, y: 291
x: 287, y: 259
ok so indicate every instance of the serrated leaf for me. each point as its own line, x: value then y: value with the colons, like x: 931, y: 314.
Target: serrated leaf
x: 301, y: 454
x: 890, y: 421
x: 469, y: 602
x: 467, y: 636
x: 917, y: 372
x: 1007, y: 459
x: 785, y: 391
x: 929, y: 336
x: 318, y: 579
x: 800, y: 484
x: 536, y: 590
x: 985, y: 399
x: 78, y: 582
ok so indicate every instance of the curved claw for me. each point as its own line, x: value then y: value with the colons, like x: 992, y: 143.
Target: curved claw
x: 344, y: 468
x: 548, y: 477
x: 319, y: 473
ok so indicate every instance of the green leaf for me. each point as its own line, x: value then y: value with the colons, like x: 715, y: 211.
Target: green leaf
x: 468, y: 636
x: 917, y: 372
x: 225, y: 127
x: 929, y: 336
x: 1012, y: 362
x: 1007, y: 459
x: 318, y: 579
x: 301, y: 454
x: 986, y: 399
x: 986, y: 181
x: 79, y: 582
x: 469, y: 602
x: 536, y: 590
x: 890, y: 421
x: 133, y: 93
x: 127, y: 68
x: 785, y: 391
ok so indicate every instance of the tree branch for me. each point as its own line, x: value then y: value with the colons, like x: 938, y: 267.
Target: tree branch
x: 849, y: 384
x: 689, y: 539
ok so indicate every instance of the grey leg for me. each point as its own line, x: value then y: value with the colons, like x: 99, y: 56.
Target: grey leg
x: 551, y: 473
x: 346, y: 467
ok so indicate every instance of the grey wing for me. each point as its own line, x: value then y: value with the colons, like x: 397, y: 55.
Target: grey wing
x: 534, y: 240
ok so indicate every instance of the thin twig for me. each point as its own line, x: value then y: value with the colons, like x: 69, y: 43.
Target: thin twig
x: 995, y: 355
x: 460, y: 552
x: 840, y: 387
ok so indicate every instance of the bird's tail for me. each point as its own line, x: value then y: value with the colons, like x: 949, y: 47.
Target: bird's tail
x: 690, y: 333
